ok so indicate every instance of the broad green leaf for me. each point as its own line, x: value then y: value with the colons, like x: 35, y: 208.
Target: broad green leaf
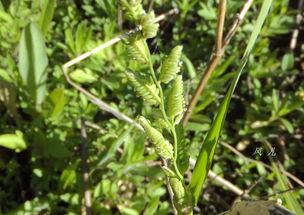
x: 47, y: 15
x: 83, y: 76
x: 287, y: 61
x: 58, y: 101
x: 287, y: 124
x: 206, y: 154
x: 13, y: 141
x: 127, y: 211
x: 33, y: 62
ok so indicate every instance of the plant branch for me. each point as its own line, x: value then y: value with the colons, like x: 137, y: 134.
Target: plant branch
x: 162, y: 107
x: 220, y: 27
x: 295, y: 33
x: 170, y: 190
x: 217, y: 57
x: 101, y: 104
x: 85, y: 170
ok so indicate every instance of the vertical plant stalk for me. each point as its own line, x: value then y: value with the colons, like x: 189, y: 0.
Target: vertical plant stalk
x: 220, y: 49
x: 162, y: 107
x: 170, y: 191
x: 220, y: 27
x: 85, y: 170
x: 295, y: 33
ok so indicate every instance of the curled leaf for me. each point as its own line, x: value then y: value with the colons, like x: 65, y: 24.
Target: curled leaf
x: 162, y: 147
x: 137, y: 51
x: 132, y: 9
x: 149, y: 27
x: 178, y: 190
x: 171, y: 65
x: 175, y: 99
x: 144, y: 87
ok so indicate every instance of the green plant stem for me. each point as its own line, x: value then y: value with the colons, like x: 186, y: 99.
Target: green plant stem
x: 162, y: 107
x: 175, y: 155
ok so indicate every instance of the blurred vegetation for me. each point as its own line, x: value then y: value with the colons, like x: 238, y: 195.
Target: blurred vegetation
x: 40, y: 138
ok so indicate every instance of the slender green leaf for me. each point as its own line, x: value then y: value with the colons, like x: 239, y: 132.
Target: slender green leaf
x: 291, y: 200
x: 33, y: 62
x: 116, y: 144
x: 47, y: 15
x: 205, y: 157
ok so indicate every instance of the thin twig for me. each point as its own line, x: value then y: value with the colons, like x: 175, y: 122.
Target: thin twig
x: 85, y: 170
x: 237, y: 22
x: 151, y: 5
x: 282, y: 192
x: 254, y: 184
x: 95, y: 126
x: 215, y: 60
x: 101, y: 104
x: 295, y: 33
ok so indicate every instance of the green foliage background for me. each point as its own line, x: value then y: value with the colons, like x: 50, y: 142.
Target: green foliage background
x: 40, y: 171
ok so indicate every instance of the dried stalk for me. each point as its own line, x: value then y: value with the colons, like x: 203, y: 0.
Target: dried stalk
x: 217, y: 56
x: 295, y: 33
x: 85, y: 170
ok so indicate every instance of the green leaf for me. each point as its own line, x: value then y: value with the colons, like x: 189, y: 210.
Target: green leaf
x: 137, y: 51
x: 292, y: 203
x: 13, y: 141
x: 83, y: 76
x: 115, y: 145
x: 144, y: 87
x: 149, y: 27
x: 179, y: 190
x: 58, y: 101
x: 175, y: 99
x: 33, y: 62
x: 162, y: 147
x: 287, y: 61
x: 8, y: 95
x: 182, y: 150
x: 83, y: 36
x: 171, y: 65
x: 152, y: 206
x: 127, y: 211
x: 47, y: 15
x: 189, y: 66
x: 206, y: 154
x: 287, y: 124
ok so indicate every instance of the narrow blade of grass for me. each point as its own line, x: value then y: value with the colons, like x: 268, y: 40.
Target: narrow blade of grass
x: 205, y: 157
x: 291, y: 201
x: 116, y: 144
